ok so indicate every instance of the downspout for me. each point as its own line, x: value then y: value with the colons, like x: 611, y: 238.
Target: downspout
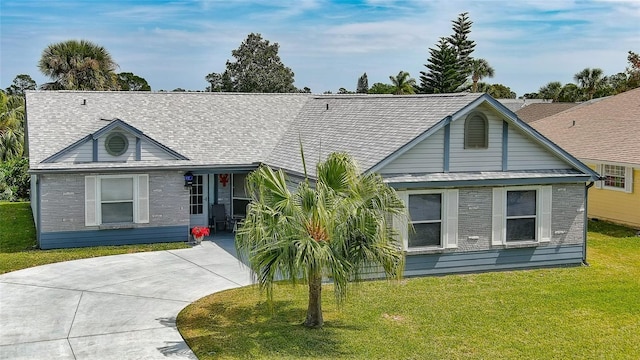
x: 586, y: 223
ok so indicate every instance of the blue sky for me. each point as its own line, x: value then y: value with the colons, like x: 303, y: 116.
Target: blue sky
x: 327, y: 43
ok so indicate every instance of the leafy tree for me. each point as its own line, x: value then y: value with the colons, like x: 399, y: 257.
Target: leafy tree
x: 131, y: 82
x: 334, y: 228
x: 178, y: 90
x: 616, y: 84
x: 258, y: 68
x: 443, y: 76
x: 480, y: 69
x: 633, y: 70
x: 381, y: 88
x: 21, y: 83
x: 78, y: 65
x: 500, y: 91
x: 403, y: 83
x: 461, y: 44
x: 11, y: 126
x: 215, y: 82
x: 530, y: 96
x: 570, y: 93
x: 344, y: 91
x: 589, y: 81
x: 305, y: 90
x: 363, y: 84
x: 551, y: 91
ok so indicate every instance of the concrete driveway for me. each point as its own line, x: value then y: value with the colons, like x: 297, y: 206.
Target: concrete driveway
x: 113, y: 307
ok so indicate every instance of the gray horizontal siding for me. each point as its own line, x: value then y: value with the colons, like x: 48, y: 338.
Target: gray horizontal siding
x: 424, y: 157
x: 525, y: 154
x: 72, y: 239
x: 83, y: 153
x: 149, y: 151
x: 489, y: 159
x: 489, y: 260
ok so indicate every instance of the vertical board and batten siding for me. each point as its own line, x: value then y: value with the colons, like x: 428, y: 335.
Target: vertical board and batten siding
x: 63, y: 211
x: 489, y: 159
x: 425, y: 157
x: 81, y: 154
x: 525, y: 154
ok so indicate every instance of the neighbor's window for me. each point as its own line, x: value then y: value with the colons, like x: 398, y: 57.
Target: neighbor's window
x: 476, y: 130
x: 116, y: 144
x: 426, y: 217
x: 521, y: 215
x: 240, y: 198
x: 614, y: 176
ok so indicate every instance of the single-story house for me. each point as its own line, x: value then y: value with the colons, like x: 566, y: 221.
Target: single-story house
x: 604, y: 134
x: 484, y: 190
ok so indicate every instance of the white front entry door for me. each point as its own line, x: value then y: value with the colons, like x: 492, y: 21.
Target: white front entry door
x: 199, y: 201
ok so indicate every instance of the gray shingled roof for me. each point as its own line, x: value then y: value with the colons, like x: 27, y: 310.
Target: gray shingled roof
x: 370, y: 128
x: 207, y: 128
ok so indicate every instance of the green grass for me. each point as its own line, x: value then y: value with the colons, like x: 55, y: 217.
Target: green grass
x: 18, y: 242
x: 560, y: 313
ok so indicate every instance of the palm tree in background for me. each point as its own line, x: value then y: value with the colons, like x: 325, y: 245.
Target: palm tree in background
x: 551, y: 91
x: 480, y: 69
x: 403, y: 83
x: 11, y: 126
x: 589, y: 80
x: 78, y: 65
x: 336, y: 228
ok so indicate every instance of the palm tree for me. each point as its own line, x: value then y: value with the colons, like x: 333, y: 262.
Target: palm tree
x: 480, y: 69
x: 78, y: 65
x: 403, y: 83
x: 551, y: 91
x: 11, y: 126
x: 589, y: 80
x: 334, y: 228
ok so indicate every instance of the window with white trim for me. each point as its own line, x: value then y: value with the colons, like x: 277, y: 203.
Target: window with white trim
x: 425, y: 211
x: 116, y: 199
x: 239, y: 197
x: 521, y: 214
x: 615, y: 177
x: 433, y: 219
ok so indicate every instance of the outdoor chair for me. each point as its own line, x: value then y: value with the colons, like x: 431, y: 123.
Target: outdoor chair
x: 218, y: 216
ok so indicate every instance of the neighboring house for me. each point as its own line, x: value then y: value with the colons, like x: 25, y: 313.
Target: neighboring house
x: 539, y: 111
x: 606, y: 136
x: 484, y: 190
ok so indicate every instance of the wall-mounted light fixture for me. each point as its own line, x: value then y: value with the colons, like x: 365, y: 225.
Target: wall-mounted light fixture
x: 188, y: 179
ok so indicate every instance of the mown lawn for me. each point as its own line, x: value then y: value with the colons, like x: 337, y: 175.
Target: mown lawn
x: 18, y: 242
x: 561, y: 313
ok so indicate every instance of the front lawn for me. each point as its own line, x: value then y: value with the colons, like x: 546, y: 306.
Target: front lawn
x: 18, y: 242
x: 560, y: 313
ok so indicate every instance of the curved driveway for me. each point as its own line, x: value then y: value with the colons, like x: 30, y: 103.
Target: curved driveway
x: 113, y: 307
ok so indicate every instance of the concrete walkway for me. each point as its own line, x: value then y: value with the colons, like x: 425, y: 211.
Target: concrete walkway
x: 113, y: 307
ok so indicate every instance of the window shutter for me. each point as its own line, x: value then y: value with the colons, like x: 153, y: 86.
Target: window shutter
x: 628, y: 179
x: 599, y: 169
x: 498, y: 212
x: 544, y: 228
x: 451, y: 239
x: 143, y: 199
x: 90, y: 218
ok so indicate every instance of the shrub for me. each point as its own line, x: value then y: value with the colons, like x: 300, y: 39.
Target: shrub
x: 15, y: 181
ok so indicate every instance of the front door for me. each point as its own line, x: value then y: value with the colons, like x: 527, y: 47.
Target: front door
x: 199, y: 201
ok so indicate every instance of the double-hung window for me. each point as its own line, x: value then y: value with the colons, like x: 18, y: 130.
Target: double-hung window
x: 521, y: 214
x: 433, y: 219
x: 616, y: 177
x: 116, y: 199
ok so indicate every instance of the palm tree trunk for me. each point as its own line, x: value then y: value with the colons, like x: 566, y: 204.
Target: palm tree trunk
x: 314, y: 311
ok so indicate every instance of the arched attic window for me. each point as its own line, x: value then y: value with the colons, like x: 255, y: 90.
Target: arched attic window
x: 476, y: 129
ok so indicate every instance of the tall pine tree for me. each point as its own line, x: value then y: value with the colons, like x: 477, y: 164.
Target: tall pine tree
x: 363, y: 84
x: 450, y: 61
x: 443, y: 75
